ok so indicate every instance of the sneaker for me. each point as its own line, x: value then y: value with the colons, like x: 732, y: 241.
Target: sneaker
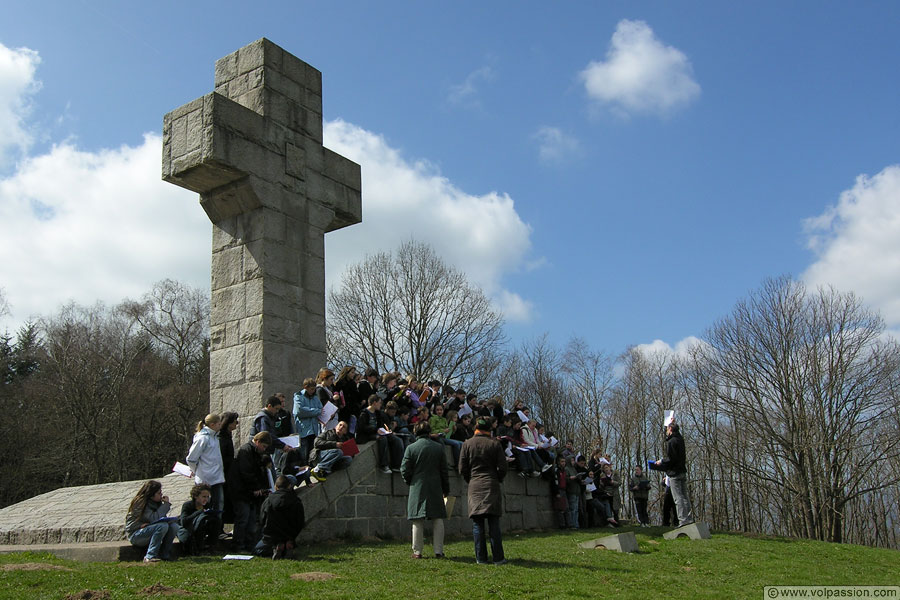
x: 386, y: 470
x: 318, y: 475
x: 501, y: 562
x: 152, y: 560
x: 523, y: 475
x: 224, y: 536
x: 535, y: 474
x: 417, y: 555
x: 439, y: 556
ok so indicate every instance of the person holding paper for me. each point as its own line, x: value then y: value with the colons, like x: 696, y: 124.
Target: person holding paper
x: 205, y: 460
x: 371, y: 425
x: 248, y: 483
x: 424, y: 469
x: 265, y: 421
x: 307, y: 410
x: 674, y: 464
x: 147, y: 524
x: 482, y: 463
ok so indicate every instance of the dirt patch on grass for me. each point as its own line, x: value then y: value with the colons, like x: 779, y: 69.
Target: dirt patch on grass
x: 89, y: 595
x: 313, y: 576
x: 158, y: 589
x: 33, y: 567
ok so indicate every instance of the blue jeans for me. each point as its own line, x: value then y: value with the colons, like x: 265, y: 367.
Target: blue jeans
x: 455, y: 447
x: 573, y: 507
x: 157, y: 538
x: 332, y: 460
x: 478, y: 531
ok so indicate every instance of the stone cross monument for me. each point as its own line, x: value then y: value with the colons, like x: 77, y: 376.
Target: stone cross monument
x: 253, y: 150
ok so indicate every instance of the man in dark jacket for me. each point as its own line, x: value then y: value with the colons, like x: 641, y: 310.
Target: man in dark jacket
x: 248, y: 484
x: 639, y: 485
x: 424, y: 469
x: 674, y: 466
x: 482, y: 463
x: 328, y: 451
x: 282, y: 519
x: 390, y: 447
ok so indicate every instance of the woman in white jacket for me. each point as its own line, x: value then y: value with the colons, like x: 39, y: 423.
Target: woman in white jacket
x: 205, y: 460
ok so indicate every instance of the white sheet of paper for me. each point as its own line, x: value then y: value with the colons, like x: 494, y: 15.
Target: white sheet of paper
x: 668, y: 417
x: 522, y: 416
x: 328, y: 413
x: 553, y: 440
x: 237, y: 557
x: 383, y: 431
x: 182, y: 469
x: 525, y: 448
x: 291, y: 440
x: 590, y: 487
x: 464, y: 410
x: 271, y: 480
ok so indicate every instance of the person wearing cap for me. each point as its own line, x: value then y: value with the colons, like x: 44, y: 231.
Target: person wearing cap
x: 482, y: 463
x: 674, y: 464
x: 424, y: 469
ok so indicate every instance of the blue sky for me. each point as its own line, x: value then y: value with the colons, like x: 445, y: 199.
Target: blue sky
x: 620, y: 171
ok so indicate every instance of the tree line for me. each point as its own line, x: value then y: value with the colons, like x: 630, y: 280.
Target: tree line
x: 789, y: 404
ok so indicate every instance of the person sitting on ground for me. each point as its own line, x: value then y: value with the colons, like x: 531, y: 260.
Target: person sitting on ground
x: 198, y: 525
x: 147, y: 524
x: 282, y: 519
x: 328, y: 452
x: 248, y: 483
x: 373, y: 426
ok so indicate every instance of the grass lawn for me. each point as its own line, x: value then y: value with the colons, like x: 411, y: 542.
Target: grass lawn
x: 548, y: 565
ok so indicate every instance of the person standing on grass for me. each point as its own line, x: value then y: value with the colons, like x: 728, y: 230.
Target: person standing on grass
x: 482, y: 463
x: 674, y: 464
x: 205, y: 460
x: 639, y: 485
x: 424, y: 469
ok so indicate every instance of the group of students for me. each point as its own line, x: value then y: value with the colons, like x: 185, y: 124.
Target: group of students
x: 239, y: 485
x: 367, y: 407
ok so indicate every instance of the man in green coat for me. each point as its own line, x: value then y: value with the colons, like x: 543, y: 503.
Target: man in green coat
x: 424, y: 469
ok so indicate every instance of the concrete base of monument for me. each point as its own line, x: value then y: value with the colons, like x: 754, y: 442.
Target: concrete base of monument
x: 697, y: 530
x: 621, y: 542
x: 87, y: 522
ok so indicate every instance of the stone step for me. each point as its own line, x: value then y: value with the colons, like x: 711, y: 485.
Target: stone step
x: 697, y: 530
x: 621, y: 542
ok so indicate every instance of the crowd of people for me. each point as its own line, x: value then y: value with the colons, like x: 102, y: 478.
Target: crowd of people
x: 411, y: 422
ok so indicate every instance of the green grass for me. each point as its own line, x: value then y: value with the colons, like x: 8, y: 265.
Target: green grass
x: 547, y: 565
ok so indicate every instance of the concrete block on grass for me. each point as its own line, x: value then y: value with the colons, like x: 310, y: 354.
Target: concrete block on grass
x: 695, y: 531
x: 621, y: 542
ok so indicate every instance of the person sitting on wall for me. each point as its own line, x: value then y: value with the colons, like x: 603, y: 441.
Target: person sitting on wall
x: 373, y: 426
x: 328, y: 454
x: 282, y: 519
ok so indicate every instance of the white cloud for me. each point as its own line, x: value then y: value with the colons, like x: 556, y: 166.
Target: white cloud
x: 466, y: 93
x: 481, y: 235
x: 17, y: 84
x: 640, y: 73
x: 555, y: 146
x: 90, y: 226
x: 857, y: 243
x: 681, y: 349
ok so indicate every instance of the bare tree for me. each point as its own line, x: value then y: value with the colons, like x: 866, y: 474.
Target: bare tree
x: 811, y: 377
x: 411, y: 312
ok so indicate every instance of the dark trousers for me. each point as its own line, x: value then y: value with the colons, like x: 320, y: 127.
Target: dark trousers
x: 390, y: 451
x: 641, y: 505
x: 669, y: 509
x: 492, y: 522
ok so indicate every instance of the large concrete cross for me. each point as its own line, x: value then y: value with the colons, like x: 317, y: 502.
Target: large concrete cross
x: 253, y: 150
